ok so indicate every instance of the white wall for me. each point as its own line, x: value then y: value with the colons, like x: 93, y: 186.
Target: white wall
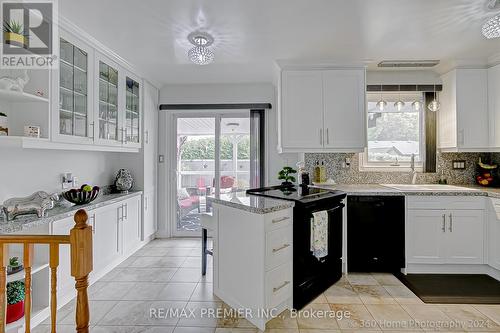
x: 24, y: 171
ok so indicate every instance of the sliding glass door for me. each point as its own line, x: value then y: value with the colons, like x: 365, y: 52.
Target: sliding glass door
x: 217, y: 154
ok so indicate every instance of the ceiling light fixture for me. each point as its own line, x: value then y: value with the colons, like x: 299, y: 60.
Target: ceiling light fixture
x: 399, y: 105
x: 434, y: 105
x: 200, y: 54
x: 491, y: 28
x: 381, y: 104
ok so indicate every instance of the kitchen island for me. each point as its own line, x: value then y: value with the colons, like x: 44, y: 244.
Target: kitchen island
x: 253, y: 252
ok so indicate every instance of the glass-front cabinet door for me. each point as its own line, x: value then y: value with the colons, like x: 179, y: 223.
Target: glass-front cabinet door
x: 132, y: 126
x: 74, y: 120
x: 107, y: 104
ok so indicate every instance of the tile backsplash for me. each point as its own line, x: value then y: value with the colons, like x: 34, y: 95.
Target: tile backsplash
x: 352, y: 175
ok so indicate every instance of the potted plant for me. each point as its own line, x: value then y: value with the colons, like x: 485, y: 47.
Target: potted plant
x: 14, y: 266
x: 13, y: 33
x: 15, y: 301
x: 286, y: 175
x: 4, y: 124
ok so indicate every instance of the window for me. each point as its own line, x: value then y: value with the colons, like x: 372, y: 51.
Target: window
x: 394, y: 135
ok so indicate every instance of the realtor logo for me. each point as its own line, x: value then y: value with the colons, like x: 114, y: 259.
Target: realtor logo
x: 29, y: 33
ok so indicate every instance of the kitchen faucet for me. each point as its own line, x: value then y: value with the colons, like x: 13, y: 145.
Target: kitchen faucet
x: 413, y: 173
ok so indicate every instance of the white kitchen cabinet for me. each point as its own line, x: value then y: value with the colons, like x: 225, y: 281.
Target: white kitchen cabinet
x: 494, y: 106
x: 105, y: 227
x: 301, y: 112
x: 424, y: 244
x: 149, y: 215
x: 73, y: 117
x: 464, y: 237
x: 150, y: 136
x: 260, y: 278
x: 132, y: 95
x: 445, y: 235
x: 344, y: 110
x: 322, y: 111
x: 131, y: 218
x: 108, y: 104
x: 463, y: 120
x: 494, y: 233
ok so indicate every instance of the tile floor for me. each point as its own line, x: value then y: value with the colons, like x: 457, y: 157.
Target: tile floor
x: 166, y: 274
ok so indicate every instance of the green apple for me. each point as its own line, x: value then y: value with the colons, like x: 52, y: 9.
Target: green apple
x: 87, y: 188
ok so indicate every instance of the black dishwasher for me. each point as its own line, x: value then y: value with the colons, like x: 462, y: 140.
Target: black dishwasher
x: 375, y: 233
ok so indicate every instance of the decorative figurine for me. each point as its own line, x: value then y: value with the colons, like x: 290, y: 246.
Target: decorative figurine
x: 37, y: 203
x: 124, y: 181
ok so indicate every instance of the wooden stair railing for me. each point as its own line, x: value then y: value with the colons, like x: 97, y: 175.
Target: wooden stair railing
x: 80, y: 241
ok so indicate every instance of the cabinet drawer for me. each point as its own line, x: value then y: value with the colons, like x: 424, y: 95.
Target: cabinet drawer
x: 278, y: 285
x: 445, y: 202
x: 279, y: 219
x: 278, y: 247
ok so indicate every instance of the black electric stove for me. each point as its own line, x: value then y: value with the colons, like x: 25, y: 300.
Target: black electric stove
x: 311, y: 276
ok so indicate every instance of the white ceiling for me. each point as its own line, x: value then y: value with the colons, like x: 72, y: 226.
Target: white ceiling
x: 251, y: 34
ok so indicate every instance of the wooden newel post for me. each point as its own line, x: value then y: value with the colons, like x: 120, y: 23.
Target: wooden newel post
x: 81, y: 266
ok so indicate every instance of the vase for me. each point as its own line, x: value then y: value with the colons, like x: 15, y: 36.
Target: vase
x: 4, y: 125
x: 15, y: 312
x: 124, y: 181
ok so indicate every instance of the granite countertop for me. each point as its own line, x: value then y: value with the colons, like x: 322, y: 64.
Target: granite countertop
x: 379, y: 189
x: 253, y: 204
x: 62, y: 209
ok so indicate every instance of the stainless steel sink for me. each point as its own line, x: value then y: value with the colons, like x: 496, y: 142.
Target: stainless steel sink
x: 429, y: 188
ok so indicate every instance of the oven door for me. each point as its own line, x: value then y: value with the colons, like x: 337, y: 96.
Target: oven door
x: 312, y: 276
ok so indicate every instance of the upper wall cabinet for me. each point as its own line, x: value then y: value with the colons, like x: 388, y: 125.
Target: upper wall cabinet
x: 494, y: 106
x: 107, y: 129
x: 463, y: 122
x: 322, y: 111
x: 132, y: 127
x: 98, y: 100
x: 73, y: 118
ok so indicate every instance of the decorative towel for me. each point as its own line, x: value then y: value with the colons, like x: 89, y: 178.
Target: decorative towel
x: 319, y: 234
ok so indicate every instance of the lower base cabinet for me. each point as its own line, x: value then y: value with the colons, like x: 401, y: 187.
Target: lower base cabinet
x: 105, y: 227
x: 116, y: 234
x: 149, y: 226
x: 253, y: 261
x: 131, y: 224
x: 445, y: 236
x: 494, y: 233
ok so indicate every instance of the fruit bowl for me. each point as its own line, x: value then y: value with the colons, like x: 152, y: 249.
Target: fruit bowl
x: 83, y: 195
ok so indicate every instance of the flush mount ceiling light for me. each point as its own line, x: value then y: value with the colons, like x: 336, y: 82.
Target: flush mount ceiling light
x: 491, y: 28
x: 200, y: 54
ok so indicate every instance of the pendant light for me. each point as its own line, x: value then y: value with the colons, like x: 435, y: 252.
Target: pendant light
x: 399, y: 105
x: 381, y: 104
x: 417, y: 105
x: 434, y: 105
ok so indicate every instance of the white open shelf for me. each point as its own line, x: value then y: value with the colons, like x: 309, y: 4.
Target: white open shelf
x: 19, y: 97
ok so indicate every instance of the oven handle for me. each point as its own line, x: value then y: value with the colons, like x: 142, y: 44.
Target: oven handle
x: 328, y: 210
